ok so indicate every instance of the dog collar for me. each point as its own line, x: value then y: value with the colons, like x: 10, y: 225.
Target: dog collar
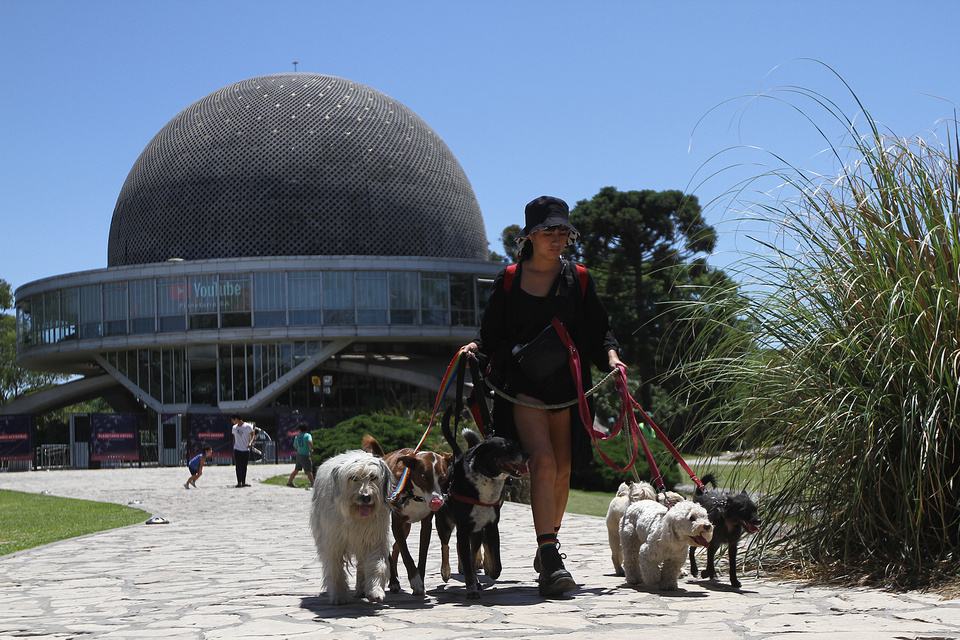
x: 474, y: 501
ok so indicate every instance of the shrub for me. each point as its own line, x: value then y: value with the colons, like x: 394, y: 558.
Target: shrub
x: 598, y: 476
x: 391, y: 431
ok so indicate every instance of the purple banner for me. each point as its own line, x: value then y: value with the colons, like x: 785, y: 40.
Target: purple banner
x: 16, y: 437
x: 287, y: 430
x: 115, y: 436
x: 211, y: 430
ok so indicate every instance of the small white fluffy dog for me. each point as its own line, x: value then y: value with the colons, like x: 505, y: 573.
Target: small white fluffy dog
x: 655, y: 540
x: 626, y: 495
x: 350, y: 519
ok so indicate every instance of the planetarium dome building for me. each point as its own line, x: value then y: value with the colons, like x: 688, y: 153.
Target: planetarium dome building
x: 283, y: 231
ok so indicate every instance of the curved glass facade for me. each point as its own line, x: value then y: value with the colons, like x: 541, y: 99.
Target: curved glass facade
x: 189, y: 302
x: 245, y: 332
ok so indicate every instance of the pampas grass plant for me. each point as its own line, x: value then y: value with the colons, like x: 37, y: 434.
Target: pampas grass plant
x: 853, y: 369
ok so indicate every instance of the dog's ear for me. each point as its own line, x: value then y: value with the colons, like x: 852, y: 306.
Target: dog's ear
x: 370, y: 445
x: 335, y: 488
x: 386, y: 480
x: 410, y: 461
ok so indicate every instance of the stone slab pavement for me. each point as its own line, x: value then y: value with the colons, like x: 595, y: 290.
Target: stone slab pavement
x: 240, y: 563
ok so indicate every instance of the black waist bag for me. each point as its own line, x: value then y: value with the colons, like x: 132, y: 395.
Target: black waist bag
x: 541, y: 356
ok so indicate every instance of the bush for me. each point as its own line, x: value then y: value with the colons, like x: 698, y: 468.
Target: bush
x: 392, y: 432
x: 598, y: 476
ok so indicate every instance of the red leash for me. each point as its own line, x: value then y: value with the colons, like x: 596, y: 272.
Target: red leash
x: 585, y: 416
x: 627, y: 405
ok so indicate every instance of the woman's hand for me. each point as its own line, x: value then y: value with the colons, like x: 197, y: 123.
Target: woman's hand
x: 613, y: 359
x: 470, y: 347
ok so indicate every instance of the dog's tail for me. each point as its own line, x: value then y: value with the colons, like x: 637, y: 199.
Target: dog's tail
x: 707, y: 479
x: 472, y: 437
x: 370, y: 445
x: 448, y: 434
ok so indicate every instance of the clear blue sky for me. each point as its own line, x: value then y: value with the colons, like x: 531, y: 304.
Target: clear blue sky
x: 559, y: 97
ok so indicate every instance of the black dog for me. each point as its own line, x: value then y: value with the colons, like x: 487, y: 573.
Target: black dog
x: 472, y: 503
x: 730, y: 515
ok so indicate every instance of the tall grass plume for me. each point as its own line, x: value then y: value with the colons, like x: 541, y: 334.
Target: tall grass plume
x: 851, y: 366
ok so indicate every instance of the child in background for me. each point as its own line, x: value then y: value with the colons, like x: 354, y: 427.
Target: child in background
x: 196, y: 466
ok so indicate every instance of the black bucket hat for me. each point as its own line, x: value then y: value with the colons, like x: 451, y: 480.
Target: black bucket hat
x: 544, y: 212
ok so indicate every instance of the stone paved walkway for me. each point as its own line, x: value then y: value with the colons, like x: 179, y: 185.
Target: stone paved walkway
x: 239, y: 563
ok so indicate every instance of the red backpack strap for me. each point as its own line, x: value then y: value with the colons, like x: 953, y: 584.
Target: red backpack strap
x: 511, y: 271
x: 582, y: 272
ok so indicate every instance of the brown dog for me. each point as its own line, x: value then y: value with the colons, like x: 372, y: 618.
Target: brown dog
x: 421, y: 497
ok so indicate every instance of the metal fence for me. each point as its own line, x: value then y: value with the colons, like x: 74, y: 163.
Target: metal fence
x: 55, y: 456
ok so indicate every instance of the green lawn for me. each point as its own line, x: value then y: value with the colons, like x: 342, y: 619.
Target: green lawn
x: 754, y: 476
x: 29, y: 520
x: 300, y: 482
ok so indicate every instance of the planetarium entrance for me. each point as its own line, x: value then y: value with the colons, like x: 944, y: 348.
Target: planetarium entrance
x: 203, y: 375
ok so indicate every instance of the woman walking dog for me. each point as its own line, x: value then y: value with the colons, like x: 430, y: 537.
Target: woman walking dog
x: 526, y: 363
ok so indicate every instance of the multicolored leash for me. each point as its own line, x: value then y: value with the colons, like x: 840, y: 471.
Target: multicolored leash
x: 448, y: 379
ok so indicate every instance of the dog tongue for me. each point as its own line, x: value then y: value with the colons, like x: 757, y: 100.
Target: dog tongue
x: 365, y: 511
x: 435, y: 504
x: 700, y: 540
x: 752, y: 528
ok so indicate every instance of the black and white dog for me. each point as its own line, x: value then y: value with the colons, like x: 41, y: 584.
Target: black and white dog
x: 730, y: 514
x: 472, y: 503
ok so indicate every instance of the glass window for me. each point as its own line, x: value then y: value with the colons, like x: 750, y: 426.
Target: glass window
x: 90, y: 312
x: 141, y: 306
x: 404, y: 301
x: 48, y: 314
x: 462, y: 308
x: 434, y: 292
x: 69, y: 313
x: 235, y: 300
x: 338, y: 297
x: 371, y: 298
x: 172, y: 303
x: 305, y: 293
x: 202, y: 298
x: 25, y: 335
x: 114, y: 309
x: 269, y: 300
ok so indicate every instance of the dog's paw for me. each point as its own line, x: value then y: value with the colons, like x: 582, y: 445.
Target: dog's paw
x: 473, y: 594
x: 416, y: 585
x: 394, y: 585
x: 376, y: 594
x: 445, y: 572
x: 734, y: 583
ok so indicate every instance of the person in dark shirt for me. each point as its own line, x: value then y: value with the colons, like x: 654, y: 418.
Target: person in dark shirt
x: 522, y: 305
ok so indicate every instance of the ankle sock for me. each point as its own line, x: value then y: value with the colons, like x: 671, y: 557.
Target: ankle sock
x: 545, y: 539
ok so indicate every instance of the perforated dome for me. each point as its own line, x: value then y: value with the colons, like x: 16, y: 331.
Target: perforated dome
x: 295, y: 164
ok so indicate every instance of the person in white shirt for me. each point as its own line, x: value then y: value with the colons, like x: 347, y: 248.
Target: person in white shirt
x: 243, y: 435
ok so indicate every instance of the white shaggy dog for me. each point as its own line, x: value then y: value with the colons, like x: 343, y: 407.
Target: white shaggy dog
x: 626, y: 495
x: 655, y: 540
x: 350, y: 519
